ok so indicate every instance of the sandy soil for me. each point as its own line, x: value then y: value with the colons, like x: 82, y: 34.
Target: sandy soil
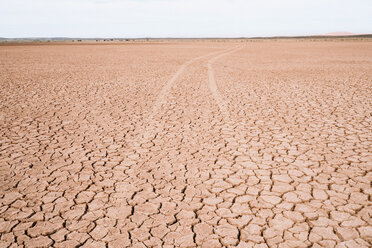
x: 249, y: 144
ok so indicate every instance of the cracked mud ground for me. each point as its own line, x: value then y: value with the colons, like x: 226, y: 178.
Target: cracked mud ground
x: 208, y: 144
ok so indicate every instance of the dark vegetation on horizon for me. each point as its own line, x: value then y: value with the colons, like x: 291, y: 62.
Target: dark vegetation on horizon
x: 60, y: 39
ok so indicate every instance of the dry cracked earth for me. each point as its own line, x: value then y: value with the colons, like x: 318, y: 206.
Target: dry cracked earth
x: 186, y: 144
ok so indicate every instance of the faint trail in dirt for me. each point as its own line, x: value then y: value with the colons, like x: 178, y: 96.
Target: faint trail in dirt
x: 222, y: 104
x: 150, y: 126
x: 161, y: 99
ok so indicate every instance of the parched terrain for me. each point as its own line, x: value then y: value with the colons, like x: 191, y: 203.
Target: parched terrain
x: 186, y: 144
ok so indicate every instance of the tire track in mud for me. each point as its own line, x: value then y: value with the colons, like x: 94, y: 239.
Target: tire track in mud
x: 149, y: 122
x: 221, y: 102
x: 151, y: 127
x: 161, y: 99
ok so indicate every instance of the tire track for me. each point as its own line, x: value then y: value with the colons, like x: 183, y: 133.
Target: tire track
x: 149, y: 123
x: 161, y: 99
x: 221, y: 102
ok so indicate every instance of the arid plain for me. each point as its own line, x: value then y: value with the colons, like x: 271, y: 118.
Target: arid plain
x: 261, y: 143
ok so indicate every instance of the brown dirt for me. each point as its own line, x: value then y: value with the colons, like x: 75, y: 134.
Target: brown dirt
x: 249, y: 144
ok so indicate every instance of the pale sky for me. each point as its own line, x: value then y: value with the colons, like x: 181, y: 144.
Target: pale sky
x: 182, y: 18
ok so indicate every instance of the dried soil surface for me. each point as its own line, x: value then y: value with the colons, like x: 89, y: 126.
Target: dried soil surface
x: 212, y: 144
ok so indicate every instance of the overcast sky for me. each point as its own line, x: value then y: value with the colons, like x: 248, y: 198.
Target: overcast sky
x: 182, y: 18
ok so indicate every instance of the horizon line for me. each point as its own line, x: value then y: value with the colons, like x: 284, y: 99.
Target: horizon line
x: 170, y: 37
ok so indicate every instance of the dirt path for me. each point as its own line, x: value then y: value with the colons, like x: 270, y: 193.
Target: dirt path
x: 194, y: 144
